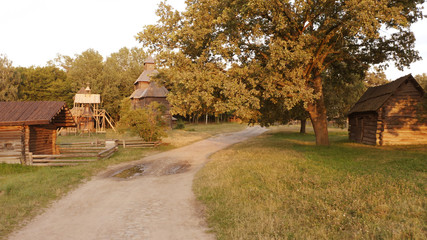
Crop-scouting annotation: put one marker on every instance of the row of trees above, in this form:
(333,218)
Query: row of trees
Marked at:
(261,58)
(62,77)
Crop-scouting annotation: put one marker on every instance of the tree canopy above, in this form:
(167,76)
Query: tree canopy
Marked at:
(44,84)
(63,76)
(283,51)
(120,71)
(9,80)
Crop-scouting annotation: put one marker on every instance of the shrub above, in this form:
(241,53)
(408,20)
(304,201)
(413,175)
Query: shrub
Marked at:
(180,124)
(147,123)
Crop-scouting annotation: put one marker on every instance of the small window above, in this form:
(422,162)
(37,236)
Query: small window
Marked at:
(8,146)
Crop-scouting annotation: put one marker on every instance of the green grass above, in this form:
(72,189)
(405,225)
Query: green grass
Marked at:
(26,190)
(281,186)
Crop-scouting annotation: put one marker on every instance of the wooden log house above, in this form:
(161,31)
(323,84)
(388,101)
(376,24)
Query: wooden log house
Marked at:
(390,114)
(28,128)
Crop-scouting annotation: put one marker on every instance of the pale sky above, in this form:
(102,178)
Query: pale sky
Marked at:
(35,31)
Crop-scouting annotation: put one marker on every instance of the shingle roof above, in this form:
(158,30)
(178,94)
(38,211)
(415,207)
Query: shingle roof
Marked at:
(146,75)
(375,97)
(151,91)
(29,113)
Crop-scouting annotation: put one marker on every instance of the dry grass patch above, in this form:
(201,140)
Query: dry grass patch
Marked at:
(196,132)
(280,186)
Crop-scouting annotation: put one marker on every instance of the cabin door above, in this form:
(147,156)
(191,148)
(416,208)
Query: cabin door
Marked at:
(360,129)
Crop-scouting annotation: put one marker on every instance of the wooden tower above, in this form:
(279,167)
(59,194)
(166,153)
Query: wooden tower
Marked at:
(88,114)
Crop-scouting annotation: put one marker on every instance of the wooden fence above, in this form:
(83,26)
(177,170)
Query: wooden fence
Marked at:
(76,153)
(131,143)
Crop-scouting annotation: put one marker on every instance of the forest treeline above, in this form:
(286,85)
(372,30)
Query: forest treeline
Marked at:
(63,76)
(114,76)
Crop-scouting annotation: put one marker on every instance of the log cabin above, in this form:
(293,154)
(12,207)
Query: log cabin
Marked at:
(390,114)
(147,91)
(30,128)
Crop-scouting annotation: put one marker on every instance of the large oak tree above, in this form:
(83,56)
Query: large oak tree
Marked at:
(280,51)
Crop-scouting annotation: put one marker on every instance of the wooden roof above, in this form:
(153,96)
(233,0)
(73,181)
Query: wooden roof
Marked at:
(87,98)
(82,90)
(145,76)
(375,97)
(35,113)
(153,90)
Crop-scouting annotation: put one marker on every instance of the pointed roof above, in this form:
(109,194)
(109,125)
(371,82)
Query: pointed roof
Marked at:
(149,59)
(146,75)
(33,113)
(375,97)
(153,90)
(82,91)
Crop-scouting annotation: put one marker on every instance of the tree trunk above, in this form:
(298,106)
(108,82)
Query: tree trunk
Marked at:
(303,123)
(317,111)
(206,120)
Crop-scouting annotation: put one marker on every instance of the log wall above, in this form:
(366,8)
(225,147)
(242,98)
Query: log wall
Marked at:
(402,119)
(42,139)
(10,144)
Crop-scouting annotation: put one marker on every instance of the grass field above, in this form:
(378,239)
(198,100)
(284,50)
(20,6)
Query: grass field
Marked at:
(281,186)
(26,190)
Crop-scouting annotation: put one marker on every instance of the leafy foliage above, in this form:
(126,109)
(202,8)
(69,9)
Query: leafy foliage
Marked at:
(9,80)
(86,68)
(112,78)
(147,122)
(374,79)
(422,80)
(280,52)
(120,71)
(44,84)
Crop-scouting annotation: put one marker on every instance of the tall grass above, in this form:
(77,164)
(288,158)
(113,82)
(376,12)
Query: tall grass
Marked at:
(282,186)
(26,190)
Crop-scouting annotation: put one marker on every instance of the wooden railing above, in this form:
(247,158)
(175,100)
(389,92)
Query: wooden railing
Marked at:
(76,153)
(108,152)
(137,143)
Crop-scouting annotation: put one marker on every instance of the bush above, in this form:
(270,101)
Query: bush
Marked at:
(147,123)
(180,124)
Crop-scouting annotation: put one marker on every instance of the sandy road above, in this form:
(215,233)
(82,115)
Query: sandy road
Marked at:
(157,205)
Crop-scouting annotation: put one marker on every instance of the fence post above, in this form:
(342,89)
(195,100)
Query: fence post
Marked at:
(30,158)
(124,143)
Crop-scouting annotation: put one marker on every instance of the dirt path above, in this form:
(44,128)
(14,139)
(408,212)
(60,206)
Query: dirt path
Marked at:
(159,204)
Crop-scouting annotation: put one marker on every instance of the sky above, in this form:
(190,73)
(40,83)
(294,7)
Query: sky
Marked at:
(35,31)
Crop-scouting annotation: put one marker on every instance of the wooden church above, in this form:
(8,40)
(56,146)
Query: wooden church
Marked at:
(390,114)
(147,91)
